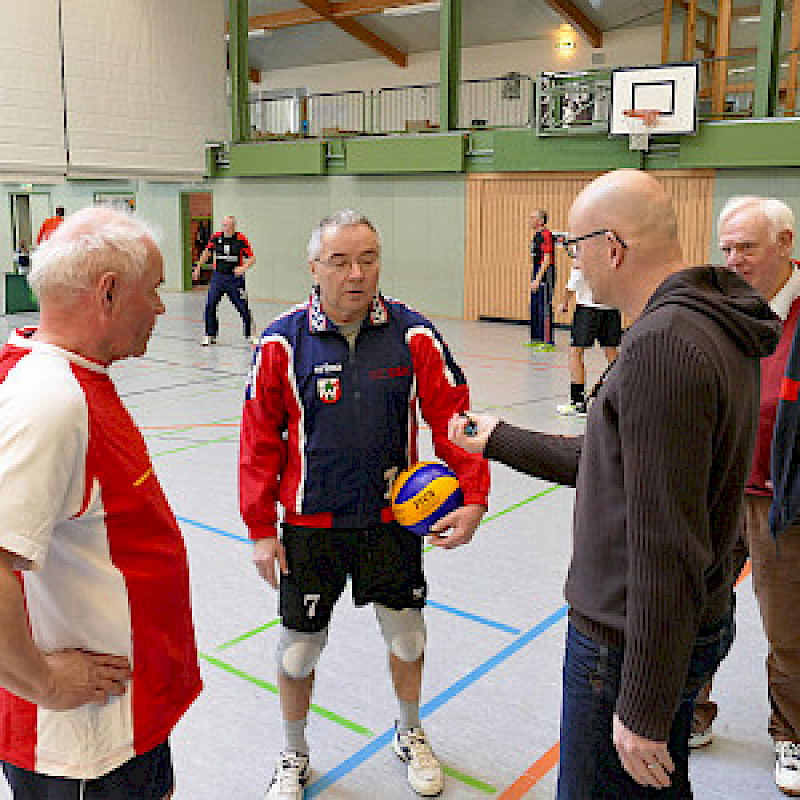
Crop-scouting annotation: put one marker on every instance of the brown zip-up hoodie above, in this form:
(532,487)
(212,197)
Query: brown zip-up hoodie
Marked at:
(659,477)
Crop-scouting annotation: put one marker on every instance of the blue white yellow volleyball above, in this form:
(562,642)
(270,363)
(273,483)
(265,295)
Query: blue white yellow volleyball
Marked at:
(423,494)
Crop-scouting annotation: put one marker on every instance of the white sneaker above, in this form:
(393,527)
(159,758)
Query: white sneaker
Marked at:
(572,409)
(424,770)
(290,777)
(787,767)
(255,340)
(207,340)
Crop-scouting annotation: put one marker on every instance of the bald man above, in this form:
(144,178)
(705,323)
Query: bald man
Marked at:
(94,675)
(659,476)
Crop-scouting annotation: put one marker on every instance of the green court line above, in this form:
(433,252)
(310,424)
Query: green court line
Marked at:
(244,636)
(196,445)
(334,717)
(473,782)
(271,687)
(508,510)
(521,503)
(184,428)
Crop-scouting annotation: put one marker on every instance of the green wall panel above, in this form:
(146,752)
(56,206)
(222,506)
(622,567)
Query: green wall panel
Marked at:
(421,219)
(427,152)
(523,151)
(306,157)
(770,143)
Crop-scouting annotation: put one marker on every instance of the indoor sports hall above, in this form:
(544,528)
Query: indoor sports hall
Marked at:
(448,124)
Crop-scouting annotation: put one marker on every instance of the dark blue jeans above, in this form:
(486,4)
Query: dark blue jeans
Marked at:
(590,768)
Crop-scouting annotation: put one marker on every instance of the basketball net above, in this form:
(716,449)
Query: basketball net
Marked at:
(642,121)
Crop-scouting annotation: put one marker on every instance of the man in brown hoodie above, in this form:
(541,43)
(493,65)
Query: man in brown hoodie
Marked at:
(659,476)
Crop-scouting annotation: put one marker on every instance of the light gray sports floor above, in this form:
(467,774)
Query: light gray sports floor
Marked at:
(496,618)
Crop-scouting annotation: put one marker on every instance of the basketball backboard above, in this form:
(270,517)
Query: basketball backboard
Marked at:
(671,89)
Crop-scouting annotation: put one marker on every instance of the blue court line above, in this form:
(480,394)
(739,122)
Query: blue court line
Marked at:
(213,530)
(474,617)
(377,744)
(465,614)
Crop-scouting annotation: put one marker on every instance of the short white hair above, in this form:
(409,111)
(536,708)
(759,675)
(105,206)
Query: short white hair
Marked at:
(91,241)
(778,215)
(340,219)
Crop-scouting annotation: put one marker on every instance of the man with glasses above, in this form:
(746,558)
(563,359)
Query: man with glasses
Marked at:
(329,422)
(659,476)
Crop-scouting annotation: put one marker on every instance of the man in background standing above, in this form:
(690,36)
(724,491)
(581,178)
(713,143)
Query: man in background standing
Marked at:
(233,256)
(591,322)
(50,224)
(543,280)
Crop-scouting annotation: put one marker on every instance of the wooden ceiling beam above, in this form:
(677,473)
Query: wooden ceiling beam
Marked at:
(358,31)
(577,18)
(305,16)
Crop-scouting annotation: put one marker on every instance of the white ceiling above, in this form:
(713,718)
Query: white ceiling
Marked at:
(483,22)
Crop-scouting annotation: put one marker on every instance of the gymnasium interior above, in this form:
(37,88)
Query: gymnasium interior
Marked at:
(446,123)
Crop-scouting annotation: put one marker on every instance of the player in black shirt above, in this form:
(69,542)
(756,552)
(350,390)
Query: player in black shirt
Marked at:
(233,256)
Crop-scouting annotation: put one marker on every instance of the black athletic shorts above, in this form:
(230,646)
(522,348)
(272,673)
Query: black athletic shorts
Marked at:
(145,777)
(591,324)
(384,562)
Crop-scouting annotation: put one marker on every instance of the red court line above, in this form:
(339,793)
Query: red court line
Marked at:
(532,775)
(540,768)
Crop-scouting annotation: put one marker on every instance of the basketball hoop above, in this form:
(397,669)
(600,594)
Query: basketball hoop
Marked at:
(642,121)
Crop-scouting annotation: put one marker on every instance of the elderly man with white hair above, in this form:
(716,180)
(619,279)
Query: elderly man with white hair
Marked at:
(94,675)
(756,236)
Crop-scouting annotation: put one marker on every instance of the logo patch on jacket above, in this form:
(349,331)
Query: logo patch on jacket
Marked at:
(329,389)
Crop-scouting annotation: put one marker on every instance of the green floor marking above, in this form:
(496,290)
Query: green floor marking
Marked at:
(474,782)
(184,428)
(244,636)
(271,687)
(333,717)
(509,509)
(196,445)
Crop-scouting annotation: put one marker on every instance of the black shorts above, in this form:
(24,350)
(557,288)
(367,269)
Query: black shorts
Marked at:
(601,325)
(145,777)
(384,562)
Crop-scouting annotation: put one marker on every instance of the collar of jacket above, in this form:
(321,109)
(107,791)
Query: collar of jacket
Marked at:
(319,321)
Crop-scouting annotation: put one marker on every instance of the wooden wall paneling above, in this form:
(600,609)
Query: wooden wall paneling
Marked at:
(497,262)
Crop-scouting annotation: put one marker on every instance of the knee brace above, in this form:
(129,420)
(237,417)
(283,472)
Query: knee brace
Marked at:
(403,631)
(299,652)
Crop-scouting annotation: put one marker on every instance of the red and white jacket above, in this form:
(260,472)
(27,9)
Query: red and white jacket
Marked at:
(81,502)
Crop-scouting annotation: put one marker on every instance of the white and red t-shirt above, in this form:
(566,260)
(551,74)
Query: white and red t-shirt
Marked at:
(80,501)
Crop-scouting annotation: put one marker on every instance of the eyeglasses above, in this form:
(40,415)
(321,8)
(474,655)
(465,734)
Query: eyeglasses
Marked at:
(339,263)
(571,245)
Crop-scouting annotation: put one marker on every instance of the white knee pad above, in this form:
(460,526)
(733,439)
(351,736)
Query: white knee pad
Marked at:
(298,652)
(403,631)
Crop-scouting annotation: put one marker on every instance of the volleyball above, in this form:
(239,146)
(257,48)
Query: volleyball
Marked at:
(423,494)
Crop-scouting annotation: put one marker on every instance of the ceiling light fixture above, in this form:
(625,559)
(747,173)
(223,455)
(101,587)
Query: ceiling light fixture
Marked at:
(566,41)
(414,8)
